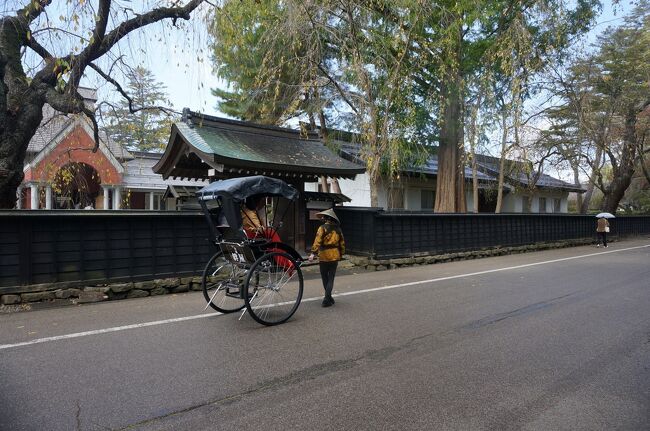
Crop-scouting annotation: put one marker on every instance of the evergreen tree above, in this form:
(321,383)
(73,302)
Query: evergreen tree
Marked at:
(398,67)
(605,115)
(139,123)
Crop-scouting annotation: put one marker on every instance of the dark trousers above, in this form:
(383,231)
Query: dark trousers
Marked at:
(327,273)
(602,236)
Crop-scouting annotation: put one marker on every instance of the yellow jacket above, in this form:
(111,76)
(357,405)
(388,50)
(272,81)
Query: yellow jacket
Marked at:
(329,243)
(250,220)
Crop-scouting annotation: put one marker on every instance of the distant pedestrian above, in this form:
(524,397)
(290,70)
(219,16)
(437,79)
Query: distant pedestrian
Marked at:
(602,227)
(330,246)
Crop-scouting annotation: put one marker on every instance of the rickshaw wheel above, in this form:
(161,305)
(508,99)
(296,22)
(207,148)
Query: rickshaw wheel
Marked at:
(222,283)
(274,288)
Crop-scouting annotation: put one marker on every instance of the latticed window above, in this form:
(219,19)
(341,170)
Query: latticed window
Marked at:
(427,199)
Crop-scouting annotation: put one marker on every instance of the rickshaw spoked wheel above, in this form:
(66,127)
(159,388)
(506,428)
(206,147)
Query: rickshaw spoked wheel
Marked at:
(222,283)
(274,288)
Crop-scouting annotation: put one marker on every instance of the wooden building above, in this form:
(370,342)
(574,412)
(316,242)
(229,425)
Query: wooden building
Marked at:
(206,147)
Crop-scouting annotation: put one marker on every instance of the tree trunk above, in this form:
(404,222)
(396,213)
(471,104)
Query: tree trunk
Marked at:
(21,106)
(529,205)
(374,187)
(475,184)
(20,124)
(502,160)
(592,180)
(623,175)
(11,171)
(576,180)
(450,182)
(473,130)
(500,184)
(616,191)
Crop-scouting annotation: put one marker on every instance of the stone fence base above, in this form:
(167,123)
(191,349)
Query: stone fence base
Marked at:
(56,295)
(371,264)
(104,292)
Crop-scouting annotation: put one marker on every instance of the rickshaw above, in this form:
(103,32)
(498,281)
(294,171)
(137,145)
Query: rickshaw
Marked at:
(258,273)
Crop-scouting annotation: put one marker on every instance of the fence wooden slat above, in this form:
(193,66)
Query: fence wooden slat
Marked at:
(409,233)
(53,246)
(63,246)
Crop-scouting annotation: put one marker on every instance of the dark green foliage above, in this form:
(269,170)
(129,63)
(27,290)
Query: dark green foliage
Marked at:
(146,129)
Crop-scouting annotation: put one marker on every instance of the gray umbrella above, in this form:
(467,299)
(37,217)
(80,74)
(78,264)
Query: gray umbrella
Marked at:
(605,215)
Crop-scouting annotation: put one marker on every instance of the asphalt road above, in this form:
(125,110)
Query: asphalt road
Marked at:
(554,340)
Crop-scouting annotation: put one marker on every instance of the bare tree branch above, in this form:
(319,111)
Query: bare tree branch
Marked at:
(33,9)
(91,116)
(104,43)
(338,88)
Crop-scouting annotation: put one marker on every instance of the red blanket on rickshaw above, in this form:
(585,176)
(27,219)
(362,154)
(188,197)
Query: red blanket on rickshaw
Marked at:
(272,235)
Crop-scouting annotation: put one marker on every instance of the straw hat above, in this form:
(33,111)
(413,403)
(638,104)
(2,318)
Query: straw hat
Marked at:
(329,213)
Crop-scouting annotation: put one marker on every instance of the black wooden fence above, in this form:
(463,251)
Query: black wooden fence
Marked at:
(97,246)
(383,234)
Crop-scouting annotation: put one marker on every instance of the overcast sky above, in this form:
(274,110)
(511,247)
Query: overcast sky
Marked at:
(179,58)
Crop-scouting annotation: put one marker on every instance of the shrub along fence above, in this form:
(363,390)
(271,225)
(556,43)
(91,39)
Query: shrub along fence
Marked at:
(382,234)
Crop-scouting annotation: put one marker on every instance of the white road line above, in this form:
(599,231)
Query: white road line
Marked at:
(106,330)
(488,271)
(356,292)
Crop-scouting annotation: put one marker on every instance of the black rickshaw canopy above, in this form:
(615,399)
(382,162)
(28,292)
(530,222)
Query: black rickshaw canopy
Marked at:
(239,189)
(230,194)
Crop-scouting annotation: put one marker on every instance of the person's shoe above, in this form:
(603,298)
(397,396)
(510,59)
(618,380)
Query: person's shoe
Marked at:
(332,300)
(606,246)
(327,302)
(597,245)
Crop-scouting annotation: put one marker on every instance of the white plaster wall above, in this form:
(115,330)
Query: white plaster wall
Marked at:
(518,203)
(413,199)
(550,204)
(509,204)
(382,195)
(311,187)
(413,192)
(534,204)
(358,190)
(469,199)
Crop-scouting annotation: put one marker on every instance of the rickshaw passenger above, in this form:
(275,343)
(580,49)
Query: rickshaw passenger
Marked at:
(250,217)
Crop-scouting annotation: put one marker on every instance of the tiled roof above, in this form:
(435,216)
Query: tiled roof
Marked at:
(264,145)
(326,197)
(237,146)
(488,168)
(430,167)
(517,173)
